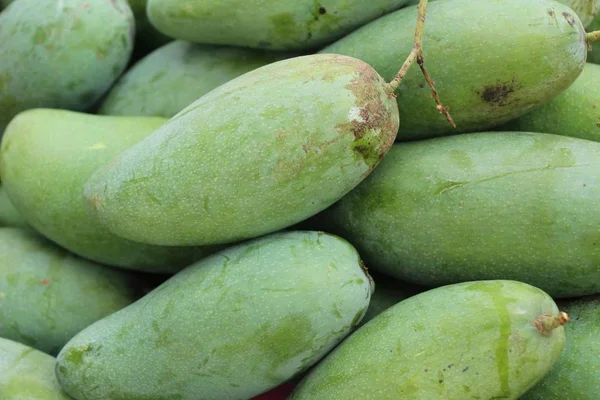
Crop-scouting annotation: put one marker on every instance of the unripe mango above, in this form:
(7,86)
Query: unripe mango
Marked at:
(47,156)
(490,205)
(475,340)
(232,326)
(181,72)
(504,58)
(250,157)
(27,374)
(576,376)
(575,112)
(265,24)
(61,54)
(9,216)
(48,295)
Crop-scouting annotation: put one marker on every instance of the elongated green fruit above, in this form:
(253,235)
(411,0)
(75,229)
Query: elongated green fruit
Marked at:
(577,374)
(27,374)
(575,112)
(485,71)
(266,24)
(229,327)
(177,74)
(61,54)
(250,157)
(47,156)
(499,205)
(9,216)
(47,295)
(497,339)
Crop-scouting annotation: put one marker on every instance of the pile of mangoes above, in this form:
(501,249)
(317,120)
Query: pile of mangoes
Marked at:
(233,200)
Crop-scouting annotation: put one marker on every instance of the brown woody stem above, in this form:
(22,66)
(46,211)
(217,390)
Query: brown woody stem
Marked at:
(546,323)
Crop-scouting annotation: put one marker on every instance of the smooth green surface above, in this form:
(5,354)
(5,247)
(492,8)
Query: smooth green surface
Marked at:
(258,154)
(47,156)
(575,112)
(61,54)
(27,374)
(471,340)
(577,375)
(229,327)
(594,55)
(179,73)
(266,24)
(506,58)
(489,205)
(48,295)
(9,216)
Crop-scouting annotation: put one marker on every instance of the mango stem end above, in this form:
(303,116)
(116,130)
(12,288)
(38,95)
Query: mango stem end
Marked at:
(546,323)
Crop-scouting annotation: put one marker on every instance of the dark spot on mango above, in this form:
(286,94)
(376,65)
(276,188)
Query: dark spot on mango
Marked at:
(322,10)
(570,19)
(498,94)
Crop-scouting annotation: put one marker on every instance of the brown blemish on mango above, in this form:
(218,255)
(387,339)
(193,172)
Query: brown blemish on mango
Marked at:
(498,94)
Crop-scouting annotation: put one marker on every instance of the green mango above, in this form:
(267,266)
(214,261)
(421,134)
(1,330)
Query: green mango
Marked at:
(250,157)
(266,24)
(27,374)
(48,295)
(47,156)
(232,326)
(181,72)
(484,69)
(490,205)
(61,54)
(474,340)
(575,112)
(9,216)
(594,55)
(576,376)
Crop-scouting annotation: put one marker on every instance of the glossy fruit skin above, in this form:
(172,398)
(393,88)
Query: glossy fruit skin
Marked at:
(27,374)
(61,54)
(46,157)
(48,295)
(466,340)
(250,157)
(232,326)
(485,70)
(265,24)
(181,72)
(575,112)
(576,376)
(488,205)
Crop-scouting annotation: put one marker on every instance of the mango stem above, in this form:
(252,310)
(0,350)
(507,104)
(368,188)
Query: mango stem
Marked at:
(546,323)
(592,36)
(416,54)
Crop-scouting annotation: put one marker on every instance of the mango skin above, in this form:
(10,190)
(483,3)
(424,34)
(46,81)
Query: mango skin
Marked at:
(181,72)
(9,216)
(490,205)
(484,346)
(47,295)
(265,24)
(575,112)
(249,158)
(485,70)
(47,156)
(232,326)
(576,376)
(27,374)
(61,54)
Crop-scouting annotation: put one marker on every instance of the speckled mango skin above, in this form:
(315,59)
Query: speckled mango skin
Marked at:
(61,54)
(265,24)
(27,374)
(230,327)
(47,295)
(181,72)
(576,376)
(47,156)
(506,58)
(575,112)
(256,155)
(9,216)
(465,341)
(490,205)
